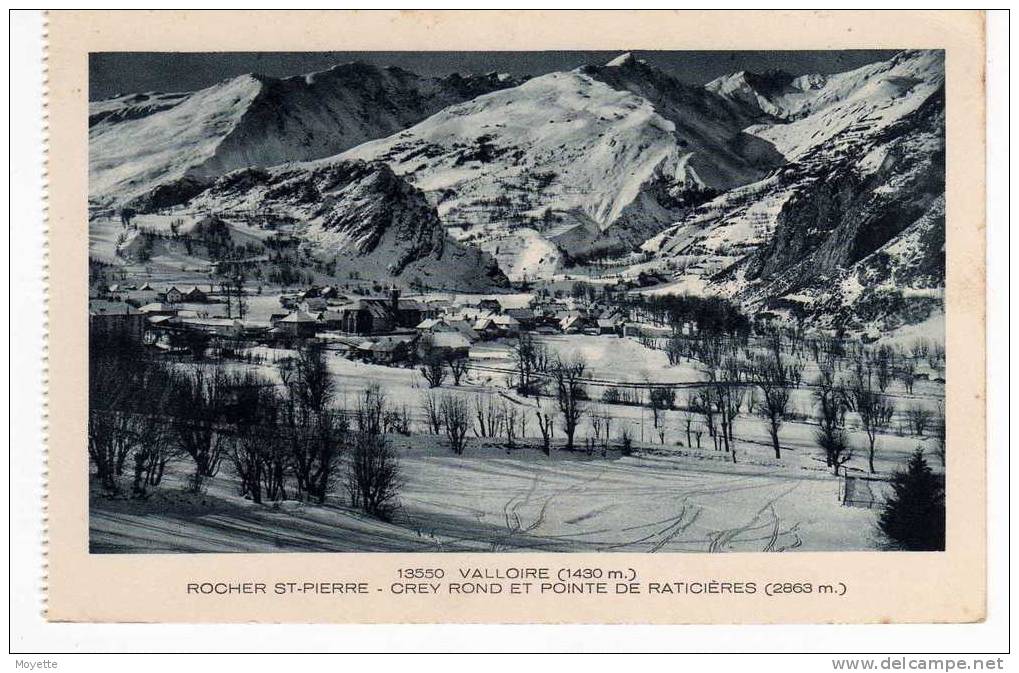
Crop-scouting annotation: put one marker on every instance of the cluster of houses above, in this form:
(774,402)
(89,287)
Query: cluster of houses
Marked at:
(385,329)
(162,319)
(146,293)
(319,309)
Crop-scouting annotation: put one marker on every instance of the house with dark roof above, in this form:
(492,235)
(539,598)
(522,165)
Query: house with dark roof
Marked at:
(410,312)
(115,317)
(489,304)
(195,295)
(377,315)
(173,295)
(362,316)
(313,305)
(524,316)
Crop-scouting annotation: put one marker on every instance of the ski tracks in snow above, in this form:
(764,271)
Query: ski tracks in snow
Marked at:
(764,527)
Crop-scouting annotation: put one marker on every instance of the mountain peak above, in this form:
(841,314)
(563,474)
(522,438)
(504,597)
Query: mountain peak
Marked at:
(623,60)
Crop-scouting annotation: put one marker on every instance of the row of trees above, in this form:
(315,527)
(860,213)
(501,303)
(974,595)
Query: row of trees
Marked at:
(739,380)
(711,315)
(436,365)
(489,416)
(283,440)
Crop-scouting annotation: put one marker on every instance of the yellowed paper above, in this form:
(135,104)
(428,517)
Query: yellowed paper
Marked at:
(476,583)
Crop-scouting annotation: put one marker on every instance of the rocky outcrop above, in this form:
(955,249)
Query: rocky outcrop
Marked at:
(362,216)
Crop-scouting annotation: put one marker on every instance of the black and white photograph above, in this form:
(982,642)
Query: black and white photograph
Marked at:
(549,301)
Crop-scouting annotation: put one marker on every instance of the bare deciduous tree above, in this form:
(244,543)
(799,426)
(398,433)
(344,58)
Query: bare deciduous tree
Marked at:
(919,419)
(568,375)
(489,417)
(530,360)
(373,471)
(833,442)
(197,404)
(907,374)
(830,399)
(456,421)
(875,412)
(625,440)
(433,368)
(660,399)
(313,432)
(772,380)
(510,421)
(458,368)
(546,424)
(433,415)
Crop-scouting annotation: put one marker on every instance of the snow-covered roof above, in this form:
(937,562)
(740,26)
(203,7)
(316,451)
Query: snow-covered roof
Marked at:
(212,322)
(449,340)
(298,317)
(156,307)
(410,305)
(382,344)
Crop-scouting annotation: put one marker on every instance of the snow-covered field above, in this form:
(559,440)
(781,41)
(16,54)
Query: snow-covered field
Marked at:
(666,497)
(601,174)
(491,500)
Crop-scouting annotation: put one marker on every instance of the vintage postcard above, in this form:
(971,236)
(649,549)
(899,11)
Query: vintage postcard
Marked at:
(601,317)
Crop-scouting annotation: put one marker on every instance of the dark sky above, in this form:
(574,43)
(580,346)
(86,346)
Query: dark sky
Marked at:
(129,72)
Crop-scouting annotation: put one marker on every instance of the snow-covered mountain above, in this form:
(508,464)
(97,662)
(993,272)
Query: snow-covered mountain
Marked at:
(571,163)
(361,216)
(122,108)
(177,143)
(820,196)
(817,107)
(860,202)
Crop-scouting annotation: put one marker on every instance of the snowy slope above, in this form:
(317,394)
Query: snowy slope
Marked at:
(789,242)
(818,107)
(567,156)
(360,215)
(140,142)
(767,93)
(122,108)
